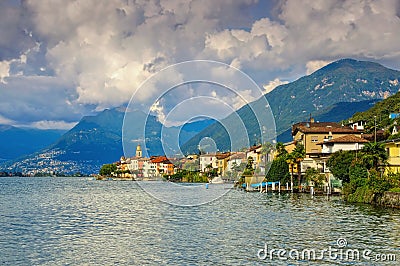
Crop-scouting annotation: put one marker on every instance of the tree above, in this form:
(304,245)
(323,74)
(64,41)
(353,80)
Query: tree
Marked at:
(298,154)
(249,170)
(107,169)
(210,171)
(266,149)
(279,170)
(339,164)
(280,149)
(373,155)
(291,160)
(315,176)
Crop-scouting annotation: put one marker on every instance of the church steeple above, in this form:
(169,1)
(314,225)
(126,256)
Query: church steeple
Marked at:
(138,151)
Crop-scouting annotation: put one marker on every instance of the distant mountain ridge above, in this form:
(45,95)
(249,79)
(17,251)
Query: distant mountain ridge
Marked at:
(345,80)
(16,142)
(96,140)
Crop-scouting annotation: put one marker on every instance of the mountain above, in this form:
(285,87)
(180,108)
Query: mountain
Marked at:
(16,142)
(332,93)
(346,80)
(97,140)
(335,113)
(379,115)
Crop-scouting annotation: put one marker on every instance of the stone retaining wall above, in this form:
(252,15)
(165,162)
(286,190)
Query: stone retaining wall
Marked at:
(389,199)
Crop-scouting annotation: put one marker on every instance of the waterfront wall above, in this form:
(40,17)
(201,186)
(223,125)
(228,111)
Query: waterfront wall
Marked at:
(389,199)
(367,195)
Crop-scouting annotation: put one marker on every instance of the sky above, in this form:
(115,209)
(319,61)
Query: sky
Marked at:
(61,60)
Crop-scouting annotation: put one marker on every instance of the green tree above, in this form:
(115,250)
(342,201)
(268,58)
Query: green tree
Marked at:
(298,155)
(291,160)
(210,171)
(358,174)
(279,170)
(373,155)
(339,164)
(107,169)
(266,150)
(249,170)
(315,176)
(280,149)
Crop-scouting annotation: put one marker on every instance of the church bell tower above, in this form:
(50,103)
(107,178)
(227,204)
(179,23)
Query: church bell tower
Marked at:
(138,151)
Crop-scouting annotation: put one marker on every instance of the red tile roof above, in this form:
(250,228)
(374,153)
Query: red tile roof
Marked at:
(221,156)
(344,139)
(159,159)
(321,127)
(240,155)
(252,148)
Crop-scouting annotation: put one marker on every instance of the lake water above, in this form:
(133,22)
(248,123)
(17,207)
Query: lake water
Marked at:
(76,221)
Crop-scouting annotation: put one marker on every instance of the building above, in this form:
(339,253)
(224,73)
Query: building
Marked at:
(344,143)
(320,139)
(358,125)
(206,160)
(394,115)
(235,160)
(223,159)
(123,167)
(162,165)
(393,150)
(310,134)
(139,153)
(255,153)
(134,166)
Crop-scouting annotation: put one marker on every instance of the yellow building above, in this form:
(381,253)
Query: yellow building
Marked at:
(393,150)
(222,162)
(311,134)
(255,153)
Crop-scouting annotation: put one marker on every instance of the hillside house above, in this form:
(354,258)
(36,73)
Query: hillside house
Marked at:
(318,140)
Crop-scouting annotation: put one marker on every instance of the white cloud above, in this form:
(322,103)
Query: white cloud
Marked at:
(6,121)
(314,31)
(158,109)
(107,61)
(99,53)
(273,84)
(4,70)
(46,124)
(46,98)
(314,65)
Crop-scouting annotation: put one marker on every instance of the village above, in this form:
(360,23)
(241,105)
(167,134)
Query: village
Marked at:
(318,141)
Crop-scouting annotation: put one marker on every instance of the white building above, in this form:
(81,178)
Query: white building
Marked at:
(149,169)
(207,159)
(236,159)
(359,125)
(345,143)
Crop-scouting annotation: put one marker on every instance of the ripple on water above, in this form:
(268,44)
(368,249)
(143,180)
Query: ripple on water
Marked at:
(58,221)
